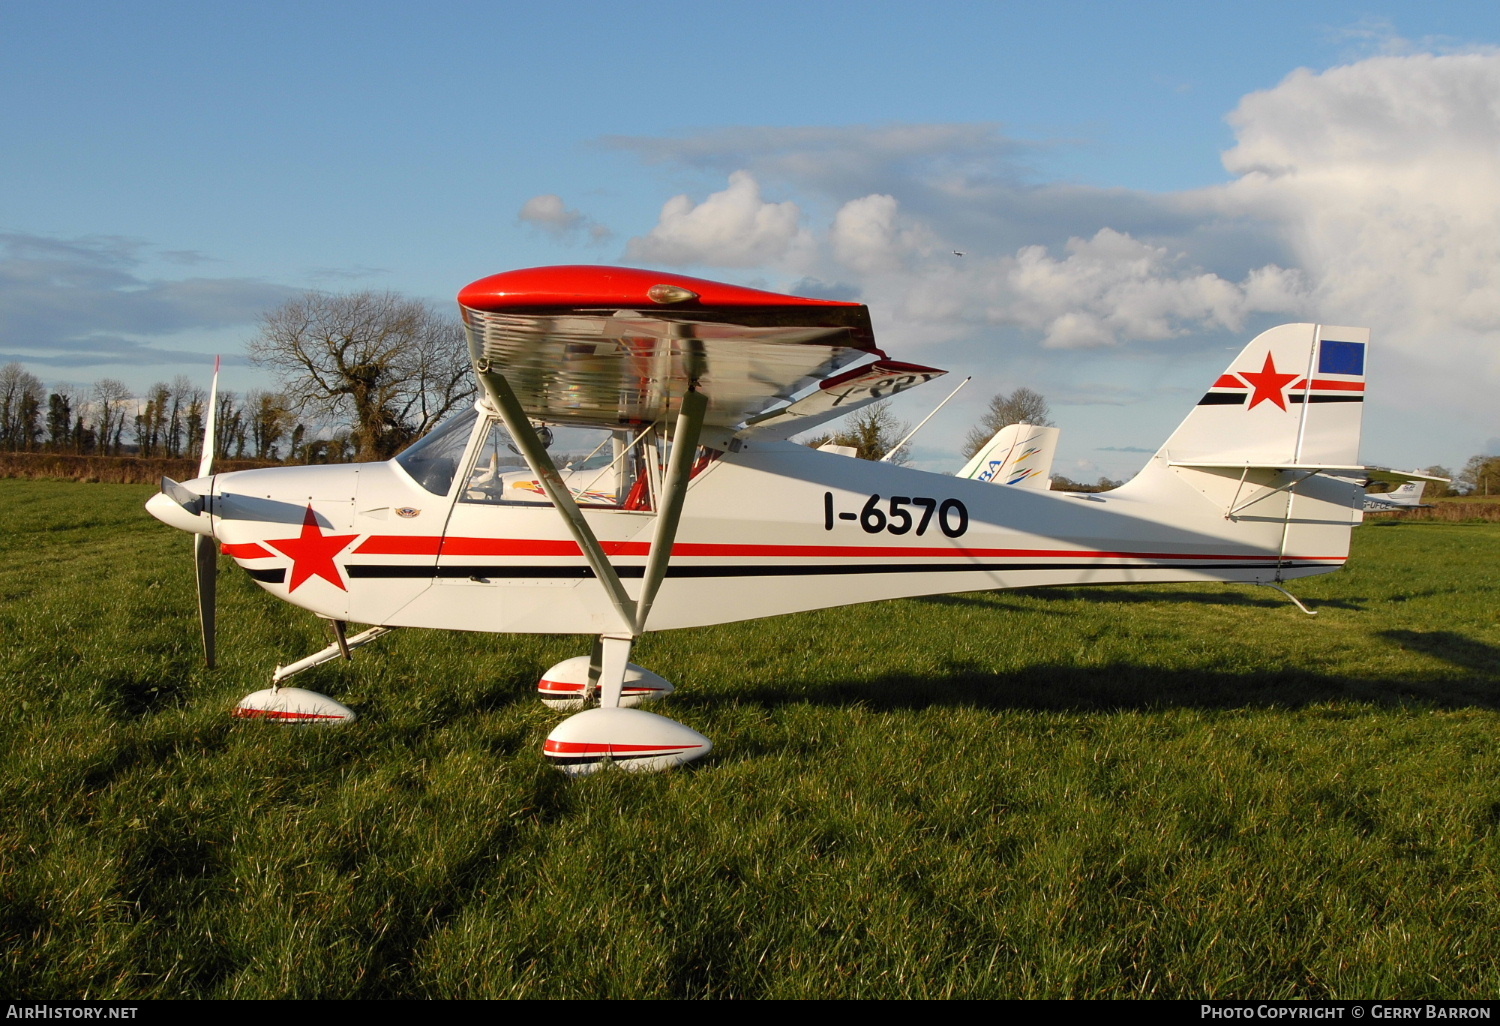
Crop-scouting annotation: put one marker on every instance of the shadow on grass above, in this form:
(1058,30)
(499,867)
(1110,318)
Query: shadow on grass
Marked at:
(1466,653)
(1125,687)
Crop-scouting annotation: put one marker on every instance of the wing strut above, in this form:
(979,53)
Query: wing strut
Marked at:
(679,469)
(633,614)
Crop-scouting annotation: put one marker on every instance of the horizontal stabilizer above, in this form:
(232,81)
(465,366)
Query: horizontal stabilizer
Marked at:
(1326,468)
(1387,476)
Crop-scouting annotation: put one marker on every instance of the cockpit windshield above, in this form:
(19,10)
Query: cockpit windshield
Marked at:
(434,459)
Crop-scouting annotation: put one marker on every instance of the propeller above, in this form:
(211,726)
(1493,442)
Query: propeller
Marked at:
(205,551)
(206,556)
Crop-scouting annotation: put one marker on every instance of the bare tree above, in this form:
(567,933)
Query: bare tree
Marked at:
(1023,406)
(229,427)
(1480,476)
(392,366)
(269,422)
(20,407)
(112,401)
(184,395)
(872,432)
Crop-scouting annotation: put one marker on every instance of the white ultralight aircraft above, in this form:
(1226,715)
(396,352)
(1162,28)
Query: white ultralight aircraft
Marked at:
(682,502)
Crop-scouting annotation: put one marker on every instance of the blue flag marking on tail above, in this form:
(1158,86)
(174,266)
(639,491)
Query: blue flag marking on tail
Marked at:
(1341,357)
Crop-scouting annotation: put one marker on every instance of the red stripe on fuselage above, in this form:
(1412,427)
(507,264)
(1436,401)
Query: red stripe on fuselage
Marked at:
(245,550)
(400,545)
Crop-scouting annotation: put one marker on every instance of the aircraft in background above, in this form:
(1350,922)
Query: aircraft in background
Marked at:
(1408,496)
(669,403)
(1018,454)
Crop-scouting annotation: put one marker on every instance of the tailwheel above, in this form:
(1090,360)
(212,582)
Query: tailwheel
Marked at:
(628,738)
(566,686)
(294,707)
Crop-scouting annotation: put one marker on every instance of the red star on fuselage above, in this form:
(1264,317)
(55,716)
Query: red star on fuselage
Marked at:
(312,553)
(1267,383)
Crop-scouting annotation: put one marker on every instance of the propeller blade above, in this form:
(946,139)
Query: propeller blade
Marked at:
(206,461)
(206,556)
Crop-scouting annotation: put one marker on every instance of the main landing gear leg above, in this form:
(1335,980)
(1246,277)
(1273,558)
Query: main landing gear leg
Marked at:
(629,738)
(614,656)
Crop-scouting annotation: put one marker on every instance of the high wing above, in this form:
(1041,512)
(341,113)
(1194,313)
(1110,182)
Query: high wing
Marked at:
(597,345)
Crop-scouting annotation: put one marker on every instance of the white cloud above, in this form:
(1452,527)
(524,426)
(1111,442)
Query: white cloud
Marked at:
(1384,178)
(1366,194)
(550,214)
(1114,288)
(732,228)
(870,235)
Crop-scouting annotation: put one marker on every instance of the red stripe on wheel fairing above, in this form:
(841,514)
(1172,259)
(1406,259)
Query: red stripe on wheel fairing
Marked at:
(601,748)
(266,714)
(554,687)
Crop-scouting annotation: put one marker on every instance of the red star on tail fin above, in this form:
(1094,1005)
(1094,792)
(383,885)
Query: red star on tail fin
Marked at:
(1269,386)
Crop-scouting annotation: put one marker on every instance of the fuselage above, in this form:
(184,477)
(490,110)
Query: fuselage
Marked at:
(772,528)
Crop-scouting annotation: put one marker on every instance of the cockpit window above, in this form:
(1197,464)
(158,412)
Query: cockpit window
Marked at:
(433,459)
(599,465)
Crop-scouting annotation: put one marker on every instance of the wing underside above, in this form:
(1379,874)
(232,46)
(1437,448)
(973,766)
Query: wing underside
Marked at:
(620,367)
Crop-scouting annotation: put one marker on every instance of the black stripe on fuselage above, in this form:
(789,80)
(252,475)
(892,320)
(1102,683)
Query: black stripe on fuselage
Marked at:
(512,572)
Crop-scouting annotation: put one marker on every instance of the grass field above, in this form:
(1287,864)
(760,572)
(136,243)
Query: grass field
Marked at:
(1173,791)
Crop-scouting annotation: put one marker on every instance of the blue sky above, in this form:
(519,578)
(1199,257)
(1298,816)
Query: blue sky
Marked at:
(1137,188)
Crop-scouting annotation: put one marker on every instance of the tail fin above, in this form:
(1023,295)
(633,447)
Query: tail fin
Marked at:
(1019,454)
(1274,444)
(1409,494)
(1294,396)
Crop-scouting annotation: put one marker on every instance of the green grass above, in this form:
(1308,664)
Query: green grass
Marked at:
(1185,791)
